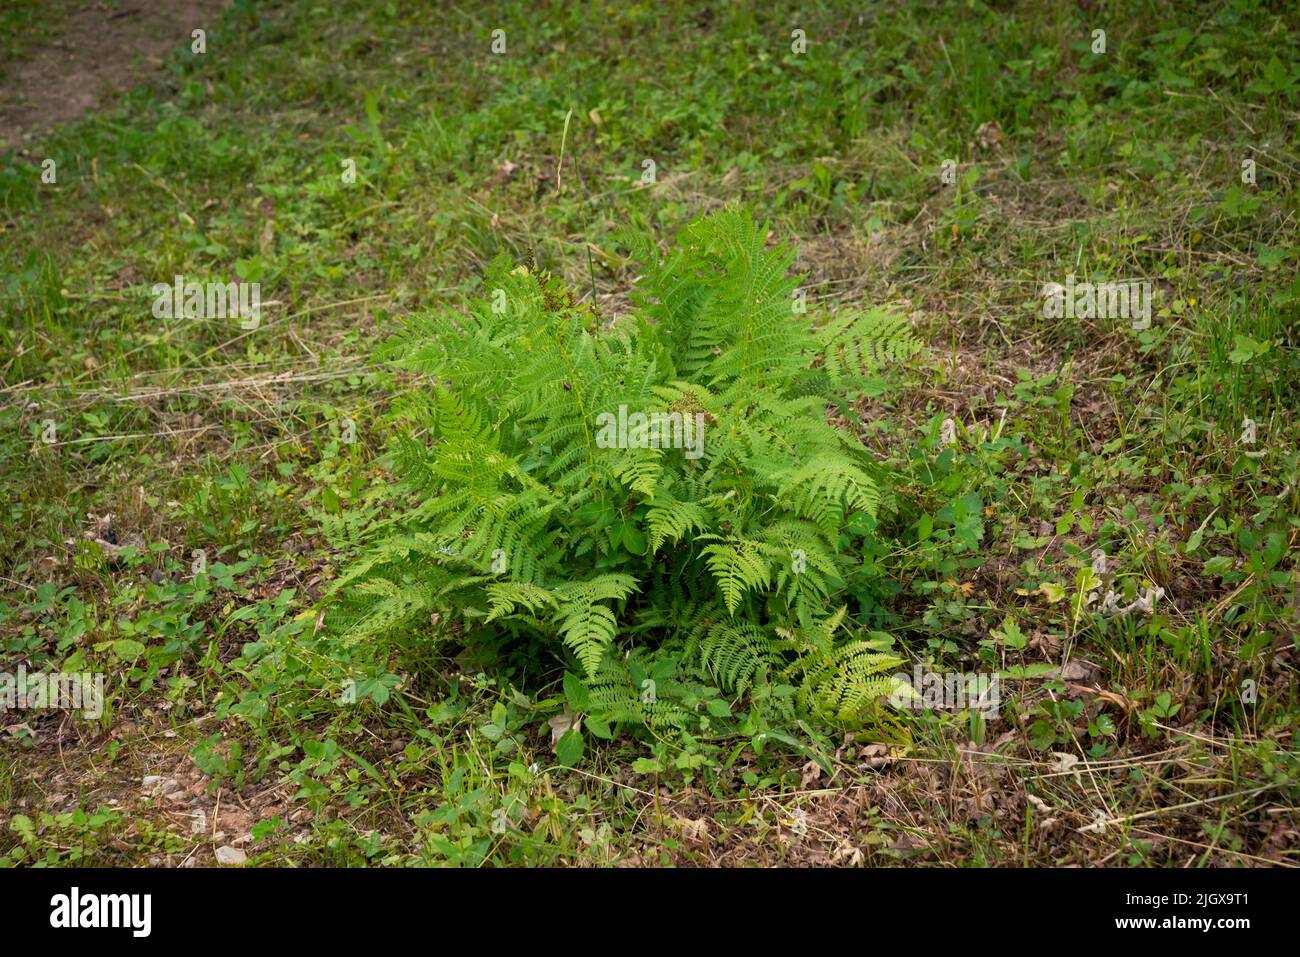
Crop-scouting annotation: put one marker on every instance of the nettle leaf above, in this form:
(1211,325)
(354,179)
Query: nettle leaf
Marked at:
(575,692)
(634,540)
(569,749)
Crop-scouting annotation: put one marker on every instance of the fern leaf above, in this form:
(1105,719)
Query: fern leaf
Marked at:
(738,567)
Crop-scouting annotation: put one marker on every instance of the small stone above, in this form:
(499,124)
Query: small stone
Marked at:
(232,856)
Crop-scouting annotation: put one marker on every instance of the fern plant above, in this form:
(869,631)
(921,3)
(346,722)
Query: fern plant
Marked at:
(661,504)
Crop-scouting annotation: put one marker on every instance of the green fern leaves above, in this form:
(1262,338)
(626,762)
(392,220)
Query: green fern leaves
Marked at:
(588,626)
(738,567)
(716,554)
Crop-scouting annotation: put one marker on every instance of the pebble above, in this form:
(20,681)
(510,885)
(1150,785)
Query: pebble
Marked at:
(230,855)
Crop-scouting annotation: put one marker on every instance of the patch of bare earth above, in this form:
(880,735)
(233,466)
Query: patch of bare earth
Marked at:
(102,51)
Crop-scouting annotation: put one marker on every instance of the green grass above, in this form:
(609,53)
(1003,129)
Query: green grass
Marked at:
(1072,435)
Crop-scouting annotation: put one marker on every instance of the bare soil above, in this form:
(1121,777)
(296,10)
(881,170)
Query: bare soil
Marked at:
(103,50)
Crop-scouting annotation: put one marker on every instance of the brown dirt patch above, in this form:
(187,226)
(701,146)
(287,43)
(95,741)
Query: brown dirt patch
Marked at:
(102,50)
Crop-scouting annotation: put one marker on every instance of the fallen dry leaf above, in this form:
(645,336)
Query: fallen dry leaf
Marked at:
(561,724)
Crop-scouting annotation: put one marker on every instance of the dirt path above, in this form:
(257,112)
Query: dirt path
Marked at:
(102,50)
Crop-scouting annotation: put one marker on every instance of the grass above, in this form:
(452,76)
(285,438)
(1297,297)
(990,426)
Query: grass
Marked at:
(223,456)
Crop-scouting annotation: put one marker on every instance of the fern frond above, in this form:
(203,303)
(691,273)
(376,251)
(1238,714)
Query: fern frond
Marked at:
(735,654)
(668,520)
(639,470)
(587,626)
(856,345)
(526,526)
(842,680)
(505,597)
(737,566)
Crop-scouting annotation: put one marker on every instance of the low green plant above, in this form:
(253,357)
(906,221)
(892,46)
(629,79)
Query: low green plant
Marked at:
(723,548)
